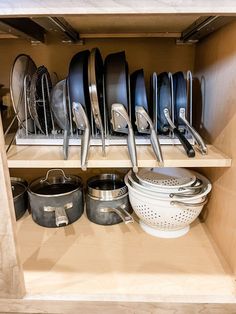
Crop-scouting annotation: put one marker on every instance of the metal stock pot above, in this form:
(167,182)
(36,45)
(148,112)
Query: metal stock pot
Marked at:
(56,200)
(107,200)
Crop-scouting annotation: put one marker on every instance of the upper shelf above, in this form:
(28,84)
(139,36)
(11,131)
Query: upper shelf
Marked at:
(116,157)
(72,7)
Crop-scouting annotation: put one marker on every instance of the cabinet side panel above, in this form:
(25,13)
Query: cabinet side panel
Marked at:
(11,274)
(216,66)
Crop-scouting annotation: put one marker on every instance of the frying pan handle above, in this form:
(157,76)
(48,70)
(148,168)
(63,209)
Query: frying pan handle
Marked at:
(186,145)
(65,144)
(120,121)
(141,118)
(82,123)
(201,145)
(85,143)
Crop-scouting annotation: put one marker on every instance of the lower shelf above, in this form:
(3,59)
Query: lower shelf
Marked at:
(85,261)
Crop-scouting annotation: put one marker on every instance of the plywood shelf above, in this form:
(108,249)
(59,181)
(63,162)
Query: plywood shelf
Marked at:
(85,261)
(117,156)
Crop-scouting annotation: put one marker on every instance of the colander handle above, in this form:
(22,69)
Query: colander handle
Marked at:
(187,205)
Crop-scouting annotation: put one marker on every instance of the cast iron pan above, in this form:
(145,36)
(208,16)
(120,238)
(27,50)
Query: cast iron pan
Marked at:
(36,108)
(78,81)
(164,103)
(116,81)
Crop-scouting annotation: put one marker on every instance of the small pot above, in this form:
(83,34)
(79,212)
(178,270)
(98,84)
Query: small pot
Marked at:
(56,200)
(20,197)
(107,200)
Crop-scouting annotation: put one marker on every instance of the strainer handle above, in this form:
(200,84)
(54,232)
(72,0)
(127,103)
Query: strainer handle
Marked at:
(187,205)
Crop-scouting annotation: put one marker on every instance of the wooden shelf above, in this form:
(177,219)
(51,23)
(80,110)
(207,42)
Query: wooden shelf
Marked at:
(117,156)
(85,261)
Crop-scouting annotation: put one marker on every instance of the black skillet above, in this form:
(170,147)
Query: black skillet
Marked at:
(164,113)
(80,100)
(95,81)
(181,110)
(117,99)
(140,111)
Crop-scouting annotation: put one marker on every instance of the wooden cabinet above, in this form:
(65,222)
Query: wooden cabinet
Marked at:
(85,267)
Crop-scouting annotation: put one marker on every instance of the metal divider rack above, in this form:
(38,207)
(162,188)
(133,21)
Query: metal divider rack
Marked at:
(25,137)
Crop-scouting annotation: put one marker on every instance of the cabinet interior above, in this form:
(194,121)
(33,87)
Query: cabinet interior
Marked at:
(89,262)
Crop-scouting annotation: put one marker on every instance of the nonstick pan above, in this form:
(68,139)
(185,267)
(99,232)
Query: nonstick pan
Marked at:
(140,111)
(164,112)
(21,73)
(39,102)
(80,100)
(95,80)
(60,110)
(182,111)
(117,99)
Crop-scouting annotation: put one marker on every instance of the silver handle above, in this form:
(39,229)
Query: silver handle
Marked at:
(142,119)
(65,144)
(54,170)
(187,205)
(120,120)
(82,123)
(191,190)
(61,217)
(201,145)
(121,212)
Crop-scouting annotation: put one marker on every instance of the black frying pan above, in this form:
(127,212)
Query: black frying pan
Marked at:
(164,113)
(140,111)
(117,99)
(80,101)
(78,81)
(116,85)
(181,110)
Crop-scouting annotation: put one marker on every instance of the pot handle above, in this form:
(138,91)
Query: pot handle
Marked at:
(61,218)
(54,170)
(187,205)
(121,212)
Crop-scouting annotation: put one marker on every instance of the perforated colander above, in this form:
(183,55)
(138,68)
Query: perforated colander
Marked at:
(165,218)
(165,177)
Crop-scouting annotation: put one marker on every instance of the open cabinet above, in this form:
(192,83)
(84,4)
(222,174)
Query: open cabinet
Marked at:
(85,267)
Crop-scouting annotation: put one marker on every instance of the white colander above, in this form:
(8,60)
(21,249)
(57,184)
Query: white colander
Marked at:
(164,218)
(165,177)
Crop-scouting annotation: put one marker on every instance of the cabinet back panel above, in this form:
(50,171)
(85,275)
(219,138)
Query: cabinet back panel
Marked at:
(216,62)
(152,54)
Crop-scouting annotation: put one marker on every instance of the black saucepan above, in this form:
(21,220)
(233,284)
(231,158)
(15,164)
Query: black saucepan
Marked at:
(56,200)
(20,197)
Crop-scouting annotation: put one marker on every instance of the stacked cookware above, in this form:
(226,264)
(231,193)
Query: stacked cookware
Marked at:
(101,101)
(167,200)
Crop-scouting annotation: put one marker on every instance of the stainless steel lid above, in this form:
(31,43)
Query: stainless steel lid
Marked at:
(106,187)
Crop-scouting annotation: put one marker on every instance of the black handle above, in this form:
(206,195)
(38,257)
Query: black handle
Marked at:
(187,146)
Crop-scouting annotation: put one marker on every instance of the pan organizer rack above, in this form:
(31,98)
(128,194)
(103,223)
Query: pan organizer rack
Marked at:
(26,137)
